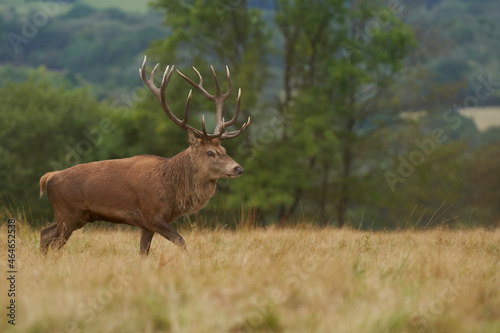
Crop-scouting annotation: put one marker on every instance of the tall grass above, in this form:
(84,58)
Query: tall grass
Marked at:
(274,280)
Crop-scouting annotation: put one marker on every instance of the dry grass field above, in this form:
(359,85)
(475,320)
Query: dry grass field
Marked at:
(274,280)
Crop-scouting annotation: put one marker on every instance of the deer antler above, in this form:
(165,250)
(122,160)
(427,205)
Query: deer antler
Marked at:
(218,98)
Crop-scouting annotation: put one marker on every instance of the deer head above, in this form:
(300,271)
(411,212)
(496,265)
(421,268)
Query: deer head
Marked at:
(205,149)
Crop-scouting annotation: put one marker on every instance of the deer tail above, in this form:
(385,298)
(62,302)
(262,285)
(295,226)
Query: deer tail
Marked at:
(43,181)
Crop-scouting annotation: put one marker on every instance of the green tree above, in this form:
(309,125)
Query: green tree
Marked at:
(432,184)
(483,184)
(361,81)
(340,62)
(45,128)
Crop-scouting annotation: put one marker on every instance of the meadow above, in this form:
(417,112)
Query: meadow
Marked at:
(299,279)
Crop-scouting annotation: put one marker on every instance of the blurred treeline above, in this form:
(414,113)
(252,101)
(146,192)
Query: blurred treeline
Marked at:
(333,88)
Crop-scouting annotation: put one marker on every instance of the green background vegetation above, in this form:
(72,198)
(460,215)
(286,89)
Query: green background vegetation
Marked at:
(326,95)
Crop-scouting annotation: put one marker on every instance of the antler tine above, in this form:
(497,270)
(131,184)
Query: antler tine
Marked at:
(233,134)
(198,86)
(149,83)
(199,76)
(220,98)
(236,112)
(164,83)
(184,121)
(203,126)
(228,92)
(217,87)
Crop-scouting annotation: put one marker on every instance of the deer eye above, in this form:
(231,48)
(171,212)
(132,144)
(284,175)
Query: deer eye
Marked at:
(210,153)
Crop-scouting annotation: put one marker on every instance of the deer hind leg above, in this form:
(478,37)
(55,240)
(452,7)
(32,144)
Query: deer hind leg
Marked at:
(146,236)
(64,232)
(47,236)
(57,234)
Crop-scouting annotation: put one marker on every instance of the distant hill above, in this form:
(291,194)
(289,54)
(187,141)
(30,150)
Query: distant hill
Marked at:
(134,6)
(96,42)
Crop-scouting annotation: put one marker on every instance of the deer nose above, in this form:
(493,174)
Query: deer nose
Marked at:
(238,170)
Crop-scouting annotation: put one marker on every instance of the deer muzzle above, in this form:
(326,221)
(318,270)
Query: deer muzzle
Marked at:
(236,172)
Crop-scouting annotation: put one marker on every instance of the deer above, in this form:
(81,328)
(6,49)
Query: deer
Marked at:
(146,191)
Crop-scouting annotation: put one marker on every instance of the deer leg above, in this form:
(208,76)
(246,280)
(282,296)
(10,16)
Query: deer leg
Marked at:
(64,232)
(47,236)
(167,231)
(146,236)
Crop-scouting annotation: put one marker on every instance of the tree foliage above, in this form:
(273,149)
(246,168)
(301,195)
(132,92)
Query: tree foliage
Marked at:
(332,98)
(45,128)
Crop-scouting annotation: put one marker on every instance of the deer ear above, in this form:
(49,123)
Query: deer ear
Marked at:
(192,140)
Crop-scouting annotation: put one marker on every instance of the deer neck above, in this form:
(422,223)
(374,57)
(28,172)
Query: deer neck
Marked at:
(193,191)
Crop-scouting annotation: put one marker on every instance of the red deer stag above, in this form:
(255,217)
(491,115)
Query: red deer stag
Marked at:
(145,191)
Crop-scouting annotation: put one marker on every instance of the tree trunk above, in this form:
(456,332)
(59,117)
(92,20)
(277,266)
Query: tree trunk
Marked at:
(282,216)
(347,157)
(284,213)
(324,195)
(344,197)
(341,212)
(343,201)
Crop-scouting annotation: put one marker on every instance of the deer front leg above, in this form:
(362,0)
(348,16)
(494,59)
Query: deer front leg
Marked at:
(166,230)
(146,236)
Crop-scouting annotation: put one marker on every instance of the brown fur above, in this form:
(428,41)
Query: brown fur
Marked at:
(145,191)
